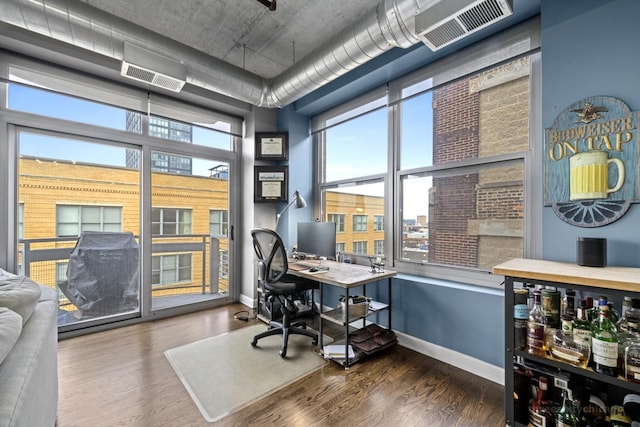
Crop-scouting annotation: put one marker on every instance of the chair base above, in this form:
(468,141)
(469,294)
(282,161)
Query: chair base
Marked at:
(278,328)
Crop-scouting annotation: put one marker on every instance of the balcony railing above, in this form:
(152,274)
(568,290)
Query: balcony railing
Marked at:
(45,261)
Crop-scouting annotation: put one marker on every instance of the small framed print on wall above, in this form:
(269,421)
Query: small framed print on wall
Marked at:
(272,145)
(270,184)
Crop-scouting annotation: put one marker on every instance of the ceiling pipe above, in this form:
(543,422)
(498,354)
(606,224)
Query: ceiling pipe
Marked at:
(389,25)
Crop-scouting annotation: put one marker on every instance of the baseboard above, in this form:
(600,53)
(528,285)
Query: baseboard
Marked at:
(249,302)
(470,364)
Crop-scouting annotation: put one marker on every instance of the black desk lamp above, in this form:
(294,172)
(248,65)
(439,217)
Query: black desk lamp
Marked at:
(297,202)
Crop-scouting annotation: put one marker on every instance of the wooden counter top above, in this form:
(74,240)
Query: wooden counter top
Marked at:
(620,278)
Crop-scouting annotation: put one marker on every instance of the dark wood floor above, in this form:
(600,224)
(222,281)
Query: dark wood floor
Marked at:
(122,378)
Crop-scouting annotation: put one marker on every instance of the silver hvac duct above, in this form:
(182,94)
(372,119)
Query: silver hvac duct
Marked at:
(76,23)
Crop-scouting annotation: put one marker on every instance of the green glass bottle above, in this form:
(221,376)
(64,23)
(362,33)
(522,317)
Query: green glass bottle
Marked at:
(605,344)
(568,414)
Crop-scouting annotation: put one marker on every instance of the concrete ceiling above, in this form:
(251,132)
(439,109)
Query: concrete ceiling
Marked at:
(244,33)
(239,49)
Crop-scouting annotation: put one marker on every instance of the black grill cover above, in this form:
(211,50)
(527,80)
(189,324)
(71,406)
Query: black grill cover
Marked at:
(102,275)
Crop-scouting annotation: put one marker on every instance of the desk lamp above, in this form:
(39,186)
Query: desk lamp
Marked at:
(297,202)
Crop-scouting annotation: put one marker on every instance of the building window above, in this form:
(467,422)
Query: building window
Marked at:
(339,220)
(72,220)
(224,264)
(360,248)
(171,221)
(340,247)
(378,247)
(219,222)
(170,269)
(21,221)
(359,223)
(378,223)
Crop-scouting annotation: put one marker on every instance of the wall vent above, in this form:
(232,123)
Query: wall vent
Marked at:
(450,20)
(149,67)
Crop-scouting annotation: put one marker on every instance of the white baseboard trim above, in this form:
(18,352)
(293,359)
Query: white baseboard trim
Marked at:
(248,301)
(470,364)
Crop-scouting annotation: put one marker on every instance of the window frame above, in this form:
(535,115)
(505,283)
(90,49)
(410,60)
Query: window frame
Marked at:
(517,42)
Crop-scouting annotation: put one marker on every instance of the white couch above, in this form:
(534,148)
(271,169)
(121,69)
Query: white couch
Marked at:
(28,353)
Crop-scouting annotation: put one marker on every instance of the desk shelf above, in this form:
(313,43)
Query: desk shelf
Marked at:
(337,315)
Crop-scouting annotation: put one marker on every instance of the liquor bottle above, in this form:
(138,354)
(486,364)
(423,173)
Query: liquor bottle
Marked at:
(622,322)
(593,411)
(520,317)
(569,307)
(605,344)
(540,414)
(581,325)
(536,328)
(618,418)
(567,415)
(566,349)
(630,352)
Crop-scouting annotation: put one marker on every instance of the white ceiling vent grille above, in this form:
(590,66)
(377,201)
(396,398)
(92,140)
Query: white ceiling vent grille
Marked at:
(145,66)
(450,20)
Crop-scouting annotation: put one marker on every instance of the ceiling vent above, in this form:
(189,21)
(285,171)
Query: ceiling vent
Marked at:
(149,67)
(451,20)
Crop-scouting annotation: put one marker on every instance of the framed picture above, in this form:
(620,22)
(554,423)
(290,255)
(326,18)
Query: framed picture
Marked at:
(272,145)
(271,184)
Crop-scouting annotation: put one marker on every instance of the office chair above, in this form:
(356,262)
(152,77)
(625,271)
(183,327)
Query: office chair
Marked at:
(275,283)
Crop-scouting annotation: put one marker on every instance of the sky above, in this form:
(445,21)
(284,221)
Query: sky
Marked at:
(355,148)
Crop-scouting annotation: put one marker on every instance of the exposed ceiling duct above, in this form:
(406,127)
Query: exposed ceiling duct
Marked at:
(389,25)
(450,20)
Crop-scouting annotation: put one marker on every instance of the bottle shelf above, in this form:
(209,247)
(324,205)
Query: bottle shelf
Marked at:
(618,381)
(611,281)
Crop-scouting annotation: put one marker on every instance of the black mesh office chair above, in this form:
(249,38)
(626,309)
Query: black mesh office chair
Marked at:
(277,284)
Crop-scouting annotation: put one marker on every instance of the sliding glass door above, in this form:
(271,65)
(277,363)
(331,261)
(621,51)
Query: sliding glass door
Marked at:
(79,224)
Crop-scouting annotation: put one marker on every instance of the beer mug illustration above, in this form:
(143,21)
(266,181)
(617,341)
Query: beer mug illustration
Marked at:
(589,175)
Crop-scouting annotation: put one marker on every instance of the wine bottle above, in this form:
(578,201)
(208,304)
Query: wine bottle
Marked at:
(605,344)
(568,414)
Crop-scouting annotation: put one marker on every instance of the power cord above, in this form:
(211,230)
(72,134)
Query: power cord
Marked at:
(245,315)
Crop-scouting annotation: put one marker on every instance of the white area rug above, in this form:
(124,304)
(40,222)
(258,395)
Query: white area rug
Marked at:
(225,373)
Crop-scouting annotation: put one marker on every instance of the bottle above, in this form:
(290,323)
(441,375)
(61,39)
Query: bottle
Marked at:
(536,328)
(618,418)
(581,325)
(567,415)
(622,322)
(540,414)
(604,343)
(593,412)
(520,317)
(629,352)
(569,303)
(566,349)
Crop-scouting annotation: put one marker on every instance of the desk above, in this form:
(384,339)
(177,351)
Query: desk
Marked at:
(345,276)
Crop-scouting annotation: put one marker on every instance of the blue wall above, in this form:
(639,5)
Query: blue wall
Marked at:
(589,48)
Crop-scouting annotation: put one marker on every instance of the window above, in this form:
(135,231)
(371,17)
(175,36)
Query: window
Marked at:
(339,220)
(454,213)
(378,223)
(72,220)
(360,248)
(340,247)
(359,223)
(224,264)
(218,223)
(460,135)
(378,247)
(170,221)
(170,269)
(21,221)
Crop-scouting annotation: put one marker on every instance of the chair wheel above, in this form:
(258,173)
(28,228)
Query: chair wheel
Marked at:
(254,343)
(283,353)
